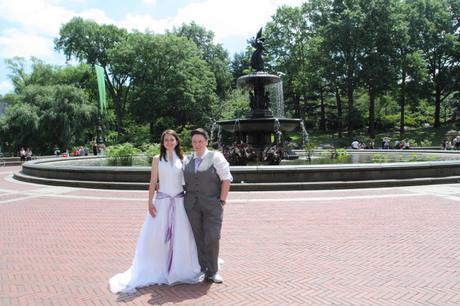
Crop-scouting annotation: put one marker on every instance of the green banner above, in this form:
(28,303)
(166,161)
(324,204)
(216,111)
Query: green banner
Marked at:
(101,88)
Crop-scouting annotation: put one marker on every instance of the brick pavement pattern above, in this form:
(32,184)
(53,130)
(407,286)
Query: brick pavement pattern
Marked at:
(388,246)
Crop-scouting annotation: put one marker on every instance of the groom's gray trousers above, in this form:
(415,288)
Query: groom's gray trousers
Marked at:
(201,202)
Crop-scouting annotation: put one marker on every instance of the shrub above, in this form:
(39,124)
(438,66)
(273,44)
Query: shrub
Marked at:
(387,121)
(150,150)
(426,143)
(186,138)
(309,148)
(121,154)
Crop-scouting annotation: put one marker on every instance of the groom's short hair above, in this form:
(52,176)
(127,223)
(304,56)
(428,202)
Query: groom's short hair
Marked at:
(200,131)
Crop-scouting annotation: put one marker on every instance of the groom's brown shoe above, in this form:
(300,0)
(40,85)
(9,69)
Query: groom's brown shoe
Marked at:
(216,278)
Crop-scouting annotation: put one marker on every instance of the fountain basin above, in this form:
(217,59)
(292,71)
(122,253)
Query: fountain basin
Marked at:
(246,178)
(259,125)
(257,78)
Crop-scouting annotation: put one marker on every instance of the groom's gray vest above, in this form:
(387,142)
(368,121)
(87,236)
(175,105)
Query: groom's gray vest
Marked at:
(202,187)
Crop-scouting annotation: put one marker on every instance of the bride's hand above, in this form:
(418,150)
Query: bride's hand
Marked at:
(152,209)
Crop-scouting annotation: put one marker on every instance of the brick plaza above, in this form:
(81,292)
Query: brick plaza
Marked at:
(388,246)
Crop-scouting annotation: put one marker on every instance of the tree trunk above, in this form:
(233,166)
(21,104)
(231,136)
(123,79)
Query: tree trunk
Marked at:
(152,132)
(296,106)
(371,130)
(116,98)
(339,111)
(322,124)
(304,106)
(119,110)
(402,102)
(350,103)
(437,105)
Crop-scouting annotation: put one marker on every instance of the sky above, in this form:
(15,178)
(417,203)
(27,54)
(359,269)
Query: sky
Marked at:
(29,27)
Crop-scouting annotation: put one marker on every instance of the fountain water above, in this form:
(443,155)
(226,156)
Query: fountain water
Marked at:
(304,134)
(276,99)
(216,134)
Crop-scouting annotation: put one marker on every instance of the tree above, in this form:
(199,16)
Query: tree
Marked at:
(45,116)
(91,43)
(437,29)
(343,32)
(408,62)
(19,126)
(377,70)
(287,38)
(214,54)
(240,65)
(49,106)
(173,85)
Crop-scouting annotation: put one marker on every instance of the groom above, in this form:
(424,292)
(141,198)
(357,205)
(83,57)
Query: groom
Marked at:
(207,183)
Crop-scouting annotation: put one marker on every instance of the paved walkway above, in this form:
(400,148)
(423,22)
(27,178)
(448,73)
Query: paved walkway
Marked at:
(389,246)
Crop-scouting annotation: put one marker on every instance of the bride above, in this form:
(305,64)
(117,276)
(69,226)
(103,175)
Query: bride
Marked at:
(166,251)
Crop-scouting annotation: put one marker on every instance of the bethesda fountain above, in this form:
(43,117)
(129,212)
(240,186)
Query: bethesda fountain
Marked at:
(259,129)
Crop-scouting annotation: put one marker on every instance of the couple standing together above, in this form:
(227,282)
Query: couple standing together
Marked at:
(179,241)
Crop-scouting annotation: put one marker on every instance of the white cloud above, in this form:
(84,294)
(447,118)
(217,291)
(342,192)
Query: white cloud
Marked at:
(231,18)
(14,42)
(37,22)
(34,25)
(38,16)
(237,18)
(97,15)
(44,16)
(144,22)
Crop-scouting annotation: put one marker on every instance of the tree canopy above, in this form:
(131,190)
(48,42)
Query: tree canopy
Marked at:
(345,65)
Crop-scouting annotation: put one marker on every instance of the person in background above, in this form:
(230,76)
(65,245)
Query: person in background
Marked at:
(28,154)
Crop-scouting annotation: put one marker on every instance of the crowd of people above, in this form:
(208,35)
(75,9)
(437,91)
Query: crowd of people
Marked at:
(386,144)
(80,151)
(453,144)
(25,154)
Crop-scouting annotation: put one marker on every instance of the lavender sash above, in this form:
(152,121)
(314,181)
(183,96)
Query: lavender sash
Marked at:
(171,222)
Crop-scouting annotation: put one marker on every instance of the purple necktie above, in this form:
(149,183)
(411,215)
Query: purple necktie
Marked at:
(198,161)
(171,222)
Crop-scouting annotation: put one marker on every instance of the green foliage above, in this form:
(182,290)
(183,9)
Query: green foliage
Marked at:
(339,154)
(387,121)
(177,90)
(214,54)
(410,142)
(135,133)
(392,63)
(121,154)
(240,64)
(309,149)
(236,105)
(151,150)
(19,126)
(186,138)
(46,116)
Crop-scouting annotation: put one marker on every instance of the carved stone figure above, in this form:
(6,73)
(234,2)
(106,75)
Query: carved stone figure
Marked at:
(257,63)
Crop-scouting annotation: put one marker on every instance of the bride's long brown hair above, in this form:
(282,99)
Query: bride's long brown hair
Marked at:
(177,149)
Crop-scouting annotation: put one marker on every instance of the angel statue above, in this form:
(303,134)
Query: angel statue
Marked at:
(257,63)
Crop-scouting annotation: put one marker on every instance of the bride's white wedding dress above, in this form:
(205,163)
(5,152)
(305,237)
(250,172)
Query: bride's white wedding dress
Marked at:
(166,251)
